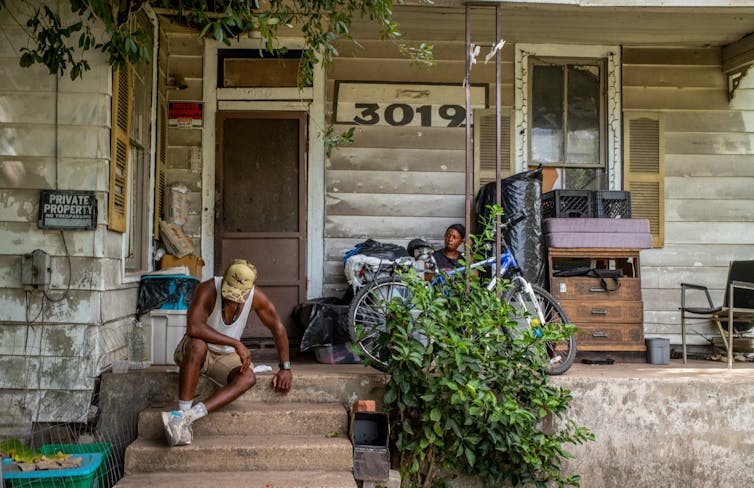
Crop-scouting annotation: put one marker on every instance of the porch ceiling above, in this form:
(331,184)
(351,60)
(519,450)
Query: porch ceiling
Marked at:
(578,22)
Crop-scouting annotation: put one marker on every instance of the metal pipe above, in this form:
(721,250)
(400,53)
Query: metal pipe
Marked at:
(469,150)
(498,186)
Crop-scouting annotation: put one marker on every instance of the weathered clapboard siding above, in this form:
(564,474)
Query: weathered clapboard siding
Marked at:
(56,135)
(709,177)
(686,165)
(721,211)
(408,182)
(394,184)
(405,138)
(386,159)
(708,188)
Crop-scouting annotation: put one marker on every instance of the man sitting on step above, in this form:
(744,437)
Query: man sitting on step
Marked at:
(216,319)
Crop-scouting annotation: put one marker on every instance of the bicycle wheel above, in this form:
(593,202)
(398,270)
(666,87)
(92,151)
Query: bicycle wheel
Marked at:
(367,316)
(561,354)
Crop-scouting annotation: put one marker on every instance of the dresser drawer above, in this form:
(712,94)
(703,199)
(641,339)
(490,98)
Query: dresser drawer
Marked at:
(610,337)
(603,311)
(584,288)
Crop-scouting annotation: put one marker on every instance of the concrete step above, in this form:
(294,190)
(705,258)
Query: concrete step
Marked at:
(241,479)
(312,383)
(318,383)
(241,452)
(258,418)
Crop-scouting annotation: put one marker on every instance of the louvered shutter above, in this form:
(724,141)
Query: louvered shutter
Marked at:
(119,145)
(644,170)
(484,146)
(162,144)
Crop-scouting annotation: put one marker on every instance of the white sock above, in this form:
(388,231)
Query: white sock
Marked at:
(197,411)
(185,405)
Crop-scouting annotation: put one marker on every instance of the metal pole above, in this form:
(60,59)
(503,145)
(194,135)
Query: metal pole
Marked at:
(498,186)
(469,150)
(730,326)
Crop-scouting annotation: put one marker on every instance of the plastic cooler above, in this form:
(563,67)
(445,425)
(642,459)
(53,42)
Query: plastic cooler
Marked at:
(84,476)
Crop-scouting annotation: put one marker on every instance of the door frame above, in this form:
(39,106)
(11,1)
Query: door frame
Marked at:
(310,100)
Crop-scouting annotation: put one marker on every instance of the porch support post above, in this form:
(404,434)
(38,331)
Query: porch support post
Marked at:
(469,149)
(498,185)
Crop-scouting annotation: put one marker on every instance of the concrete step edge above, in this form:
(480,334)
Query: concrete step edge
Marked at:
(242,479)
(241,452)
(270,419)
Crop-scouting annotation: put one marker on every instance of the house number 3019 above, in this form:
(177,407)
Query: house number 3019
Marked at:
(403,114)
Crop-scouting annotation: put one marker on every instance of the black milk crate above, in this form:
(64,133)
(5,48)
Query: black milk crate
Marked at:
(612,204)
(567,203)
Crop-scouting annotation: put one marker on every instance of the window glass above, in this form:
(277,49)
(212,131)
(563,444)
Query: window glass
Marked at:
(566,124)
(583,94)
(547,114)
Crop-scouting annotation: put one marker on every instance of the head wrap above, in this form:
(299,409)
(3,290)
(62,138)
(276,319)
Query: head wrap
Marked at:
(460,229)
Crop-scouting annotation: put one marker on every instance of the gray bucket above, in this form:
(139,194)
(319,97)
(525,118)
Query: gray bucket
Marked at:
(658,350)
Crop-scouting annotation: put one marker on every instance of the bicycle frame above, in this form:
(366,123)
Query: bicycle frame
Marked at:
(507,261)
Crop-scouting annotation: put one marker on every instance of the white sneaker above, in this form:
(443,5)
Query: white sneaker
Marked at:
(177,428)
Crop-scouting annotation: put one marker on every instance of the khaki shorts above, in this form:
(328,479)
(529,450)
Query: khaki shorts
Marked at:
(216,365)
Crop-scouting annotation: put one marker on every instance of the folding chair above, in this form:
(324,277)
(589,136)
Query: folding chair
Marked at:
(737,308)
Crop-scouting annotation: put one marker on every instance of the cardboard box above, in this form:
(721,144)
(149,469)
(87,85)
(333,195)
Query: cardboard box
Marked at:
(193,263)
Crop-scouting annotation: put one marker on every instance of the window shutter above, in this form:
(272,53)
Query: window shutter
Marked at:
(484,146)
(644,170)
(162,144)
(119,145)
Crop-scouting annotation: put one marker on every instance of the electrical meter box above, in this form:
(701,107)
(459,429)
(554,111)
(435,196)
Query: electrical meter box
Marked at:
(35,269)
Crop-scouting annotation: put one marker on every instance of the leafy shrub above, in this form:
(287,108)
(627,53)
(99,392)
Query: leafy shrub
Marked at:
(467,397)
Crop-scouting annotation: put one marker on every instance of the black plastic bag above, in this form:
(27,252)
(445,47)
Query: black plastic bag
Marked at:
(325,321)
(521,194)
(381,250)
(173,292)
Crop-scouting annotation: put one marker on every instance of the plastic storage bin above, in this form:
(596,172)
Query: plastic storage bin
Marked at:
(612,204)
(81,477)
(658,350)
(167,330)
(567,203)
(100,476)
(336,354)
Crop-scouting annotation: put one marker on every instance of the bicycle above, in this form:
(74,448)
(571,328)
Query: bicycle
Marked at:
(531,304)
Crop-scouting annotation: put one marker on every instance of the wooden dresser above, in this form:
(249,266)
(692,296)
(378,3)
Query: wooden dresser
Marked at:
(605,320)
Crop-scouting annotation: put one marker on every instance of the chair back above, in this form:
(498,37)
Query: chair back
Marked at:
(740,271)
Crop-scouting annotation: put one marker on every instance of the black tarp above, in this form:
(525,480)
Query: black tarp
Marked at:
(173,292)
(325,321)
(521,194)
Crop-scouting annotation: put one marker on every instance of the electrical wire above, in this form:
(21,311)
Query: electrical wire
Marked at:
(70,273)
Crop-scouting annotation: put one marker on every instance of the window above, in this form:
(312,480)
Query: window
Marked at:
(140,160)
(131,156)
(567,121)
(570,117)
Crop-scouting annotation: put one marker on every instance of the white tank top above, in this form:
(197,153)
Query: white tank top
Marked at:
(215,319)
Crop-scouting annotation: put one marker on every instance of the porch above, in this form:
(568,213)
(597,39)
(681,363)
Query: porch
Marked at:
(655,425)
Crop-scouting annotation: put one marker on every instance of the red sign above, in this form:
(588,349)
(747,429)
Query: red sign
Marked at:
(185,114)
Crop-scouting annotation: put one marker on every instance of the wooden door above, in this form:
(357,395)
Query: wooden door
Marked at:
(260,207)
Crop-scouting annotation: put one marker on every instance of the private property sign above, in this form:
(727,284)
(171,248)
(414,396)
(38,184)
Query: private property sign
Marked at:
(185,115)
(67,210)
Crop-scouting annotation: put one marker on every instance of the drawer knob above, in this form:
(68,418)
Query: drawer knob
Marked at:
(599,311)
(596,289)
(599,334)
